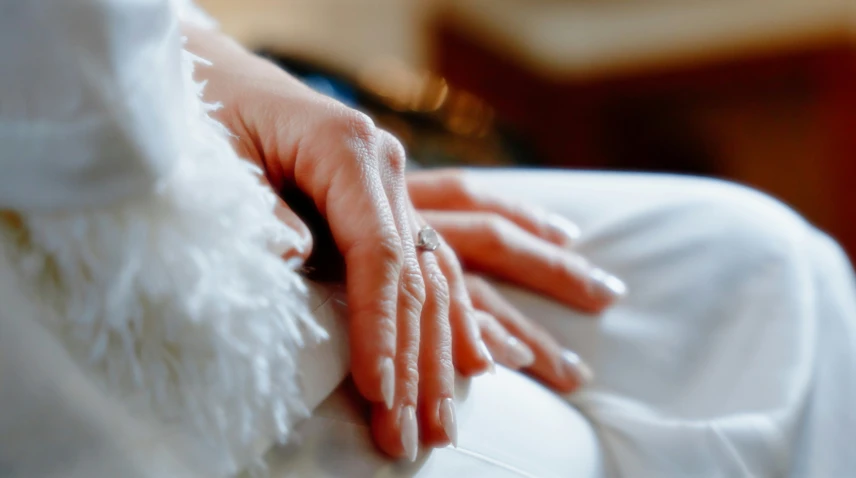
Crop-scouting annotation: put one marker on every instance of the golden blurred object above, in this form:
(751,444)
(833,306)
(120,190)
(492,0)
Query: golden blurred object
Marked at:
(405,89)
(397,85)
(466,115)
(434,93)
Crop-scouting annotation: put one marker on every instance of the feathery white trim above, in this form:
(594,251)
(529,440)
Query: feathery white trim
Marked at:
(179,302)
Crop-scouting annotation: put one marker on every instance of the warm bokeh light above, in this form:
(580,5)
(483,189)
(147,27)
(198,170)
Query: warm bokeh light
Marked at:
(754,91)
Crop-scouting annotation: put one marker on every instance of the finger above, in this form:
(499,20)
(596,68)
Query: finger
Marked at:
(395,428)
(506,348)
(471,355)
(448,190)
(560,368)
(437,373)
(491,244)
(372,272)
(302,239)
(347,189)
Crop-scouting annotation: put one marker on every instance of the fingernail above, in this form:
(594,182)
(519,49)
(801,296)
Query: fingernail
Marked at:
(387,382)
(606,285)
(448,420)
(519,355)
(409,433)
(574,366)
(485,353)
(568,230)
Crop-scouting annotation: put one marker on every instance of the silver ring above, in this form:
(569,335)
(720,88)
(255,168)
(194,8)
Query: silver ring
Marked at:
(427,239)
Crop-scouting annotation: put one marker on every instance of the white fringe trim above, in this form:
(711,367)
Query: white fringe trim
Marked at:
(178,302)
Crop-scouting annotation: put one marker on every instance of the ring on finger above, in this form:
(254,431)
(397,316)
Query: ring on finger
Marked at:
(427,239)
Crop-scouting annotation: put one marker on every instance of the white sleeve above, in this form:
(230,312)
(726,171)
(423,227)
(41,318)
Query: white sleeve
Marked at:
(88,100)
(133,234)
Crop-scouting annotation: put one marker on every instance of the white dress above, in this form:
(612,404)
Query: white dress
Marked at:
(139,336)
(732,356)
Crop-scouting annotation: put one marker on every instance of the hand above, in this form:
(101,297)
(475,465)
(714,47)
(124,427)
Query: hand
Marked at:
(406,309)
(523,245)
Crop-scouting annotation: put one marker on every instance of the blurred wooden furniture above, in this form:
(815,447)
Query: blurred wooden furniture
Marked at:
(343,33)
(602,39)
(771,85)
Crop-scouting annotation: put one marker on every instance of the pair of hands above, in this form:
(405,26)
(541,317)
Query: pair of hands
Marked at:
(415,317)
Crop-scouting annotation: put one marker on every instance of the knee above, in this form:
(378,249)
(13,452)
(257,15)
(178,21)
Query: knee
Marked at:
(742,225)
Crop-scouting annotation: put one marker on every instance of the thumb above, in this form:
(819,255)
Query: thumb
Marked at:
(303,249)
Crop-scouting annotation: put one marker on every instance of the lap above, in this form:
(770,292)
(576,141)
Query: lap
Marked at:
(730,351)
(683,382)
(508,425)
(695,254)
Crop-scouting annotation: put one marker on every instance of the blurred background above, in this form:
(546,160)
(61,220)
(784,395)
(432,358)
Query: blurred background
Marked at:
(762,92)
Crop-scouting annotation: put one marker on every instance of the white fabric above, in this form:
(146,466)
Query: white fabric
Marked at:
(733,354)
(90,100)
(137,249)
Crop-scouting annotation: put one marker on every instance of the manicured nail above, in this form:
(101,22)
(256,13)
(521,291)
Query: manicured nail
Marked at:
(574,366)
(519,354)
(448,420)
(606,285)
(387,382)
(409,432)
(485,353)
(569,231)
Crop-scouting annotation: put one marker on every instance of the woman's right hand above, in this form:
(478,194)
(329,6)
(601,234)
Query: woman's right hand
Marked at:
(509,240)
(404,326)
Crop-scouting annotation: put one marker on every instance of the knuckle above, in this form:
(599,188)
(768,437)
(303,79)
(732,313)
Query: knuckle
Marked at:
(460,189)
(484,319)
(495,330)
(386,327)
(497,230)
(387,249)
(446,366)
(357,130)
(397,161)
(413,289)
(396,157)
(439,287)
(566,268)
(526,330)
(411,370)
(377,319)
(358,125)
(556,266)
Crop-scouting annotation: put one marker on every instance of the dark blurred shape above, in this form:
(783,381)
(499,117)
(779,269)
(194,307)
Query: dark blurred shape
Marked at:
(437,124)
(326,263)
(656,136)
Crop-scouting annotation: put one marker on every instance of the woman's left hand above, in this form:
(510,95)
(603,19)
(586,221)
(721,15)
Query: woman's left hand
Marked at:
(525,246)
(408,332)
